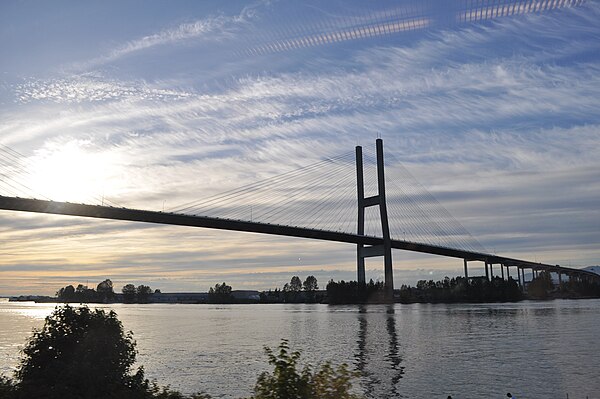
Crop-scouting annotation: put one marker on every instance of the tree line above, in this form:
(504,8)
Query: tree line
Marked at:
(104,293)
(460,289)
(543,287)
(350,292)
(456,289)
(295,291)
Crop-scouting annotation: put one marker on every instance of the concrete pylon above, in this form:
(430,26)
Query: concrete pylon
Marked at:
(385,249)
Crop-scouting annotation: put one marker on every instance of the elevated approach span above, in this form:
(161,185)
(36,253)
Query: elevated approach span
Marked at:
(137,215)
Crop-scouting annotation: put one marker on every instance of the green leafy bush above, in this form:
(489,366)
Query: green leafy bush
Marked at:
(288,382)
(80,353)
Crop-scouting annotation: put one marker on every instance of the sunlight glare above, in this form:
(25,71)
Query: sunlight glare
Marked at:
(73,172)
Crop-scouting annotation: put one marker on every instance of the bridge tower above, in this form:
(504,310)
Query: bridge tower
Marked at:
(384,249)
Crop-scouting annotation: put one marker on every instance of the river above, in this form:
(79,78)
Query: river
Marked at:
(531,349)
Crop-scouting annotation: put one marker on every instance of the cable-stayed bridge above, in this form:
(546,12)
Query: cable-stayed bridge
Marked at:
(350,198)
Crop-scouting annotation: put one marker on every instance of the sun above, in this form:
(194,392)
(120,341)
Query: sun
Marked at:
(74,172)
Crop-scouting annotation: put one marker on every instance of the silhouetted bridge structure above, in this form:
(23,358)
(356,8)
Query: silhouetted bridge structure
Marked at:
(367,245)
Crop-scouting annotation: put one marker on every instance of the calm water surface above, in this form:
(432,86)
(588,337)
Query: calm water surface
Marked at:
(532,349)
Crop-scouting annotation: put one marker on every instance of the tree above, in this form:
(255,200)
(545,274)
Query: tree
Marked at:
(129,292)
(105,290)
(66,294)
(541,286)
(310,284)
(288,382)
(143,292)
(292,290)
(220,294)
(80,353)
(7,388)
(296,284)
(84,294)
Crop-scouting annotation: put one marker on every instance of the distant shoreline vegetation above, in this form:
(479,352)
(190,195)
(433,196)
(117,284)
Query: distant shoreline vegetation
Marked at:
(447,290)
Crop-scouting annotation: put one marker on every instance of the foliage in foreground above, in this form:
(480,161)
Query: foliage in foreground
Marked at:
(288,382)
(85,354)
(81,353)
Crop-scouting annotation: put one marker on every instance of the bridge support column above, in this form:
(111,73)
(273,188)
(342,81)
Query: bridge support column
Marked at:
(502,270)
(521,282)
(385,249)
(466,269)
(360,188)
(491,271)
(487,273)
(507,272)
(559,279)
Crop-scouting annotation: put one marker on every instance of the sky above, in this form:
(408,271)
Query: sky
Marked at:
(489,107)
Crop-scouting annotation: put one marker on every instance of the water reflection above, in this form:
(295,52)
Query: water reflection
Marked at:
(394,355)
(379,364)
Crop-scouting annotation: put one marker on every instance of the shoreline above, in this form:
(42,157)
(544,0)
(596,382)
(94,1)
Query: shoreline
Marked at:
(54,300)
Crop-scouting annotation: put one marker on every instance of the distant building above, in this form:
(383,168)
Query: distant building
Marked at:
(179,297)
(200,297)
(246,295)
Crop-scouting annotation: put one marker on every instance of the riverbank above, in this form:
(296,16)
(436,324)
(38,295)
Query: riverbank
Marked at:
(449,290)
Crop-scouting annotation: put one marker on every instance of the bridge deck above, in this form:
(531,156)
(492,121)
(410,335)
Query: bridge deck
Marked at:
(107,212)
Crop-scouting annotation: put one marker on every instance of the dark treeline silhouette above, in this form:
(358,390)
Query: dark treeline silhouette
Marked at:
(221,293)
(343,292)
(85,354)
(295,291)
(460,289)
(479,289)
(448,290)
(104,293)
(543,287)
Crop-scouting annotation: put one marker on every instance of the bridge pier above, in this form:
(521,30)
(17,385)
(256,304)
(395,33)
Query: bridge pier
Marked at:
(466,269)
(360,188)
(559,279)
(502,270)
(487,273)
(385,249)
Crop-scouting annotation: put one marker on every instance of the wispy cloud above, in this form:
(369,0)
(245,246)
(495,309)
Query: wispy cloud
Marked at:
(89,88)
(211,29)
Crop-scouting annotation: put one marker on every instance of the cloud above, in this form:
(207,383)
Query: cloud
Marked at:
(212,29)
(90,89)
